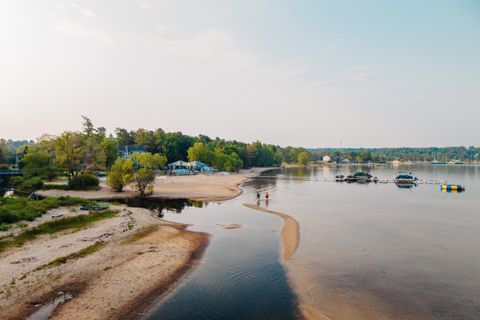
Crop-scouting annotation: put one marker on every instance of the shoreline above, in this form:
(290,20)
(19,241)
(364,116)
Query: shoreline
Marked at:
(101,284)
(133,268)
(208,188)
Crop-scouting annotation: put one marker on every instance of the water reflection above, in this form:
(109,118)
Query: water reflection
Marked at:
(160,206)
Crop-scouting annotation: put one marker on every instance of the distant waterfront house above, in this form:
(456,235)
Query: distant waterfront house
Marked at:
(197,166)
(178,165)
(326,159)
(125,151)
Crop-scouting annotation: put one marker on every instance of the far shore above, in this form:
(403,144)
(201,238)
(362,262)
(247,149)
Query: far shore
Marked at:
(195,187)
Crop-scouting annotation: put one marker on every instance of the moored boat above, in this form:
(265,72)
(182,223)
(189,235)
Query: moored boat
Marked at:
(361,176)
(405,178)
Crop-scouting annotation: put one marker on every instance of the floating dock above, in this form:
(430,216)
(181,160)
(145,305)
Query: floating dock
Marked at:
(453,187)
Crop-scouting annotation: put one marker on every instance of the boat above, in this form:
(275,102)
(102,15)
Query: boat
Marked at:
(340,178)
(405,178)
(438,162)
(360,176)
(97,207)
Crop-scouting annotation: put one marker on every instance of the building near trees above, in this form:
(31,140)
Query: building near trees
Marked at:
(126,151)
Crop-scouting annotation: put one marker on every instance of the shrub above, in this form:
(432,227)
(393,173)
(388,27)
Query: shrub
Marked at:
(120,174)
(20,208)
(26,184)
(83,182)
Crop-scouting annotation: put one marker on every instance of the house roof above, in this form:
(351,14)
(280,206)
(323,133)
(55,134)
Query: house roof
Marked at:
(132,148)
(198,163)
(178,163)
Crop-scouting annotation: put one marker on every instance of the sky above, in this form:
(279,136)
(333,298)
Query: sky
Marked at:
(308,73)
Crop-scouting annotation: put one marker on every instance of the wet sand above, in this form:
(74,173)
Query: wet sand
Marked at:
(143,255)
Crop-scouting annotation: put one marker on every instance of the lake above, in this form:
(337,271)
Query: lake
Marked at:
(367,251)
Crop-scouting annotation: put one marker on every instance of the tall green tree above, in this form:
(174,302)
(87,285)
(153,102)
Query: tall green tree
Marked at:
(70,153)
(201,152)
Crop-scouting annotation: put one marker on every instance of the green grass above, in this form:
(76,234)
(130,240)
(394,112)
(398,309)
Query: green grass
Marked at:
(79,254)
(54,226)
(13,210)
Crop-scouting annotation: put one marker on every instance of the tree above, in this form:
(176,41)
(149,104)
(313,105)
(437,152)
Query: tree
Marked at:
(88,127)
(5,152)
(303,158)
(145,165)
(121,174)
(143,180)
(109,151)
(69,153)
(200,152)
(148,160)
(124,137)
(37,163)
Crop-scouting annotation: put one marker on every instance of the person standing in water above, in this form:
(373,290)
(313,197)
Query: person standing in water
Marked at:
(258,195)
(267,195)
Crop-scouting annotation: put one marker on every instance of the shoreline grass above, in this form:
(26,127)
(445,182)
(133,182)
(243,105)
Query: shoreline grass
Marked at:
(51,227)
(75,255)
(16,209)
(140,234)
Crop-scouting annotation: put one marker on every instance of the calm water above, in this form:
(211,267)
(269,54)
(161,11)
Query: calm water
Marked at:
(239,276)
(374,250)
(366,251)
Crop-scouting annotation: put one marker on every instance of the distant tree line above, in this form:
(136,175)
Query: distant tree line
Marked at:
(380,155)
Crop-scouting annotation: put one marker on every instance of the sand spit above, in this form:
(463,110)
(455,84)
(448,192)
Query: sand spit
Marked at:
(200,187)
(290,236)
(290,232)
(142,256)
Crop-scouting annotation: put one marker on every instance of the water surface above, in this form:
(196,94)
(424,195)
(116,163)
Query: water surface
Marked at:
(378,251)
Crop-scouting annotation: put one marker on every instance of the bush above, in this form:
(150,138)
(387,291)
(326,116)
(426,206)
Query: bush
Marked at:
(26,184)
(83,182)
(120,174)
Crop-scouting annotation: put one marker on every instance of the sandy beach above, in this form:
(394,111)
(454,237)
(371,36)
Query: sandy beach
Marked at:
(200,187)
(141,256)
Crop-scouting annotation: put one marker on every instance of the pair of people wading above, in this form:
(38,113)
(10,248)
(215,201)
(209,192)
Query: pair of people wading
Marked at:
(266,195)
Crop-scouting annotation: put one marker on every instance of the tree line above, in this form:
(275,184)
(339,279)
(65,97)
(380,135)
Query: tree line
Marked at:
(78,154)
(379,155)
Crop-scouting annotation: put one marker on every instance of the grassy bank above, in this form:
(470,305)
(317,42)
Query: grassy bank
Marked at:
(54,226)
(16,209)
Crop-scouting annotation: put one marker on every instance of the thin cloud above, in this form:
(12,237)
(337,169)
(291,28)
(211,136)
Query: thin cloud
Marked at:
(76,29)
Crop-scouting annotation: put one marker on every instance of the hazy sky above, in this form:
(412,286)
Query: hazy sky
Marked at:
(307,73)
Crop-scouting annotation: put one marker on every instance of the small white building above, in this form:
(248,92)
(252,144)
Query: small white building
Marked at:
(326,159)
